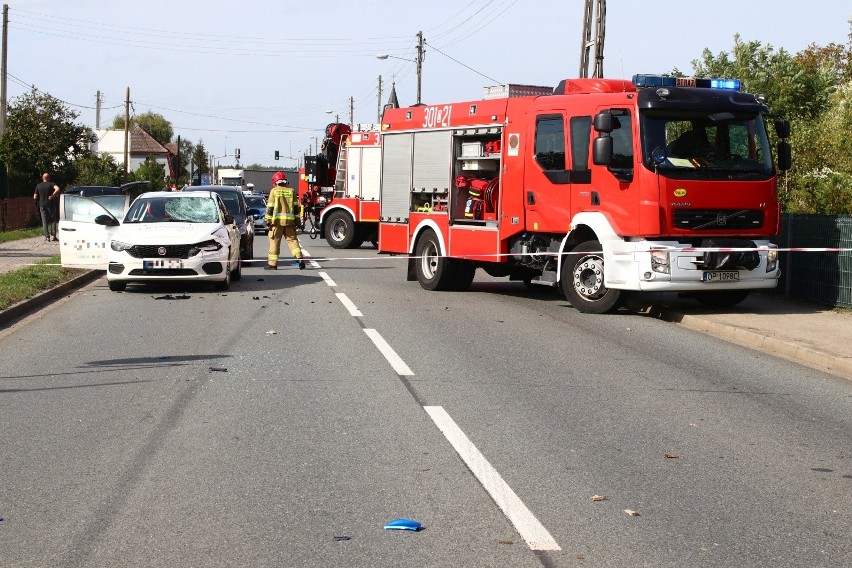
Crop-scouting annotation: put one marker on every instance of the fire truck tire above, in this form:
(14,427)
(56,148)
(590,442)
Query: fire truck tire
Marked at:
(582,281)
(722,298)
(339,229)
(434,272)
(465,271)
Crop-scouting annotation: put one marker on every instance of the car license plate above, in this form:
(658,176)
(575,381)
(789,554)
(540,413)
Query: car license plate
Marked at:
(721,276)
(168,263)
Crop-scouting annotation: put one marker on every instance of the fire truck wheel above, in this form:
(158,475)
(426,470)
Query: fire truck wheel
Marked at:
(339,229)
(464,272)
(582,281)
(722,298)
(434,272)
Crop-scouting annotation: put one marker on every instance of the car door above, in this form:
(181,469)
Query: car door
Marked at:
(85,231)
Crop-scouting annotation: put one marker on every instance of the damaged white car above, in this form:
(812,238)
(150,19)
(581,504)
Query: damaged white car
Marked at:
(164,236)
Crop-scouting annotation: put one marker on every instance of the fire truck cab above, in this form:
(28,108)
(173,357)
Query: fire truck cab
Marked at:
(600,187)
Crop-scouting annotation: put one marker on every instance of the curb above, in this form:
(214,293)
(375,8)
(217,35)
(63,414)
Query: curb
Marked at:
(797,353)
(29,305)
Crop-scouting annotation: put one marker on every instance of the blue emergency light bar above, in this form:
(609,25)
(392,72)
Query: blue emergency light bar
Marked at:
(668,81)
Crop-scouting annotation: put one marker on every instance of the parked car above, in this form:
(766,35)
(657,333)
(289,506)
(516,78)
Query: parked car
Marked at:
(257,210)
(235,201)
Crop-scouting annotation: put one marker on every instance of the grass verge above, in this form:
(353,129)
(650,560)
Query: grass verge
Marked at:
(6,236)
(19,285)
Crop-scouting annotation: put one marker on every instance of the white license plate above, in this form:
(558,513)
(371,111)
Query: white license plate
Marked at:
(173,263)
(721,276)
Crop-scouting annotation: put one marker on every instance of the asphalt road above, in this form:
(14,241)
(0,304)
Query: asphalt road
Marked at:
(284,422)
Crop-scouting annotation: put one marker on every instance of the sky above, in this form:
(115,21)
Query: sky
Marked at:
(267,75)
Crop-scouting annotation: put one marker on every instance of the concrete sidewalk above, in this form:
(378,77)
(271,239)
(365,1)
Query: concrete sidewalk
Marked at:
(811,334)
(17,254)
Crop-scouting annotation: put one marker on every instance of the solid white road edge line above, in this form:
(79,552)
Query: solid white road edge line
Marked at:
(530,529)
(327,278)
(396,362)
(353,309)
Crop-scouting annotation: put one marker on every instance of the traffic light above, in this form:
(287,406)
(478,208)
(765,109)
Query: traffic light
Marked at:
(277,155)
(237,153)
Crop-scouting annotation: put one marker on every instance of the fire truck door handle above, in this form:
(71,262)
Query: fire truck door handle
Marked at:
(530,198)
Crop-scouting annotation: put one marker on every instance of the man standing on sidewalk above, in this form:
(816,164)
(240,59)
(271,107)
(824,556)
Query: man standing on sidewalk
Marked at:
(45,193)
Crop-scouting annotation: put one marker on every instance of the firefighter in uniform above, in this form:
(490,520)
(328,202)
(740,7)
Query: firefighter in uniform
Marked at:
(280,219)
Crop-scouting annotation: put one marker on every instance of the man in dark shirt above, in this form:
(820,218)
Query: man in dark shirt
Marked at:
(45,193)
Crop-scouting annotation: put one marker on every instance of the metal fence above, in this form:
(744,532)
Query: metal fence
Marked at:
(822,277)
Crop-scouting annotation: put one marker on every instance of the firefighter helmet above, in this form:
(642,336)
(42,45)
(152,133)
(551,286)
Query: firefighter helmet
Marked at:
(278,178)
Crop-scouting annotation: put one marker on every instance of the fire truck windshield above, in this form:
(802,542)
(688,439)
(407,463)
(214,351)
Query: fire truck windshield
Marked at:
(718,145)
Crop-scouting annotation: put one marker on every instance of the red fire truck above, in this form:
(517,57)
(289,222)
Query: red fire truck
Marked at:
(342,185)
(599,187)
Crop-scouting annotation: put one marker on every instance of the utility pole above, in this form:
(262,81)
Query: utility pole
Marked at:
(379,109)
(419,62)
(351,111)
(98,111)
(3,69)
(597,42)
(126,135)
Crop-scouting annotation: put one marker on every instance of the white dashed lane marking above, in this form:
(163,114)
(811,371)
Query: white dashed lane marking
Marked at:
(529,527)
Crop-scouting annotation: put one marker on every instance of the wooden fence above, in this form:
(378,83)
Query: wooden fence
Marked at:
(18,213)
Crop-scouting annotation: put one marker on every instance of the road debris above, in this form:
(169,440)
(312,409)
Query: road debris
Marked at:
(271,332)
(403,525)
(671,456)
(599,498)
(631,512)
(218,369)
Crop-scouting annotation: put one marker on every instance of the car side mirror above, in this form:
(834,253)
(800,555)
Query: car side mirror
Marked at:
(107,220)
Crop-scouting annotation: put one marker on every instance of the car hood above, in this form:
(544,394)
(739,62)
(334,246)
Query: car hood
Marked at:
(168,233)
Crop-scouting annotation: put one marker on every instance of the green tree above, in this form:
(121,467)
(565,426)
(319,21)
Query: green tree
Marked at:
(150,170)
(813,89)
(200,159)
(100,169)
(185,153)
(41,136)
(151,122)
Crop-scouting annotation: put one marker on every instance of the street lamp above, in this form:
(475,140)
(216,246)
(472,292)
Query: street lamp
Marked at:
(418,61)
(336,115)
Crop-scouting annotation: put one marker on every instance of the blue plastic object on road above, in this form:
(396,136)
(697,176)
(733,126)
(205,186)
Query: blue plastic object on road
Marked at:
(403,525)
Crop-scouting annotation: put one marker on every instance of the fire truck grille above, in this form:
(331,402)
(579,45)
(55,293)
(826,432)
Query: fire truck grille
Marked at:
(720,219)
(151,251)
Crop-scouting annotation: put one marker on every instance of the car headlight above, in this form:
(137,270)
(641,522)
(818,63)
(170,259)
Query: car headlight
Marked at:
(119,246)
(206,246)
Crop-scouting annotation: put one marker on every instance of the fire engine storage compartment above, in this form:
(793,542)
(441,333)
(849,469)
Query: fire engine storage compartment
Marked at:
(416,169)
(476,152)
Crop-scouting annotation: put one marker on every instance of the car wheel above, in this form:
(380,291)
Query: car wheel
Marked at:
(225,283)
(117,286)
